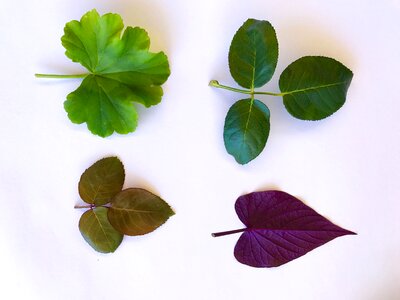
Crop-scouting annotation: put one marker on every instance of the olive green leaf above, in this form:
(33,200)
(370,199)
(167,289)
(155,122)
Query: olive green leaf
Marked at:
(102,181)
(253,54)
(98,232)
(136,211)
(246,129)
(121,68)
(314,87)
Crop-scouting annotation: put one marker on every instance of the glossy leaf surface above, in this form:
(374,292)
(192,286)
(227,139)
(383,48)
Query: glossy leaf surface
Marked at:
(136,211)
(122,71)
(253,54)
(102,181)
(314,87)
(246,129)
(279,228)
(98,232)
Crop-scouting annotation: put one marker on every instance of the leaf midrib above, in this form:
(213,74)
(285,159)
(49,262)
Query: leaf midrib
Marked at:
(292,230)
(136,210)
(252,94)
(313,88)
(102,229)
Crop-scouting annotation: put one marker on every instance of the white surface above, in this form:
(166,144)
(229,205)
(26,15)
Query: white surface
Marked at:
(346,167)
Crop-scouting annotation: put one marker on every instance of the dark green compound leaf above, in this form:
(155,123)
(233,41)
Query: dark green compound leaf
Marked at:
(314,87)
(246,129)
(98,232)
(136,211)
(122,71)
(253,54)
(102,181)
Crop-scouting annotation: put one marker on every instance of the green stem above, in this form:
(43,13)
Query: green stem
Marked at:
(216,84)
(60,76)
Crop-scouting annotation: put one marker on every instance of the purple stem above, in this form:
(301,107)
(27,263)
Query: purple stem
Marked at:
(84,206)
(217,234)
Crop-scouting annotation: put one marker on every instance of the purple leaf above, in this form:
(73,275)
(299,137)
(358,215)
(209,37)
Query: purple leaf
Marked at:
(280,228)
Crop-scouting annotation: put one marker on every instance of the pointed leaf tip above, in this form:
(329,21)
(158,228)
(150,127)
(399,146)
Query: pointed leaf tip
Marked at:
(280,228)
(136,211)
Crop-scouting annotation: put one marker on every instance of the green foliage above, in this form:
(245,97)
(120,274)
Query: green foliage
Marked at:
(102,181)
(98,232)
(137,211)
(253,54)
(313,88)
(246,129)
(310,92)
(121,68)
(132,211)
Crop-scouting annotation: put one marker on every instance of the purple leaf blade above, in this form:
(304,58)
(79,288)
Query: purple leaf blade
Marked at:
(280,228)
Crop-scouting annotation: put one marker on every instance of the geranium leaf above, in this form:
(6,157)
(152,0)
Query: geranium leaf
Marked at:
(253,54)
(279,228)
(246,129)
(121,68)
(102,181)
(314,87)
(136,211)
(98,232)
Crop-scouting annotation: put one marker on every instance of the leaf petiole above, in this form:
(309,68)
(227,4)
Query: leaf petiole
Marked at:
(217,234)
(85,206)
(215,83)
(61,76)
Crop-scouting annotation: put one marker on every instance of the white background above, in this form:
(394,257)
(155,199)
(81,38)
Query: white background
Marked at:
(346,167)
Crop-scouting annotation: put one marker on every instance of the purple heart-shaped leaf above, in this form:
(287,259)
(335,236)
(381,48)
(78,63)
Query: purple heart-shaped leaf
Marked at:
(279,228)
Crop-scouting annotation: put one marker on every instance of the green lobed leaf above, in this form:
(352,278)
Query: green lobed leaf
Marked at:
(136,211)
(102,181)
(246,129)
(314,87)
(253,54)
(122,71)
(98,232)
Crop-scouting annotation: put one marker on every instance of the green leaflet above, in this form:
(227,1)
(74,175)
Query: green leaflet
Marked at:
(121,68)
(137,211)
(253,54)
(313,88)
(246,129)
(132,211)
(102,181)
(310,91)
(98,232)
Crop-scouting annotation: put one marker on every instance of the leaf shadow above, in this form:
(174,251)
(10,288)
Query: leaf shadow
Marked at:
(135,181)
(267,187)
(273,187)
(150,17)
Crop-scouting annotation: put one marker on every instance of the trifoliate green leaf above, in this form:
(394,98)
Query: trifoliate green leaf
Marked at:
(122,71)
(253,54)
(314,87)
(98,232)
(246,129)
(102,181)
